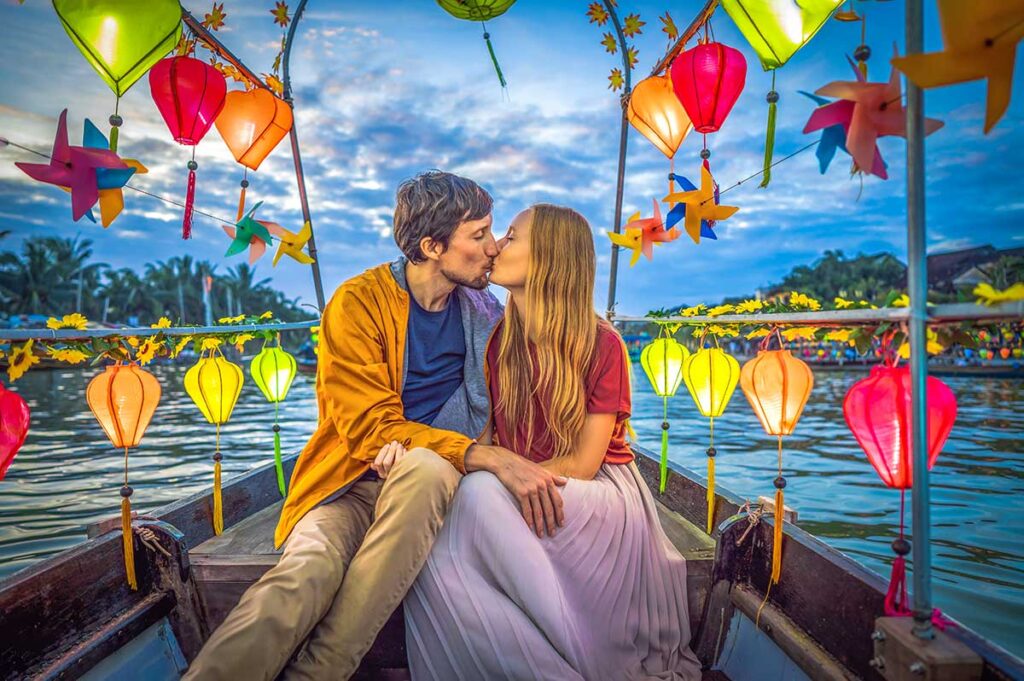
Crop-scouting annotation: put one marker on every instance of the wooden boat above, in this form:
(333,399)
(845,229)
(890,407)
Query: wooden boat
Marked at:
(72,615)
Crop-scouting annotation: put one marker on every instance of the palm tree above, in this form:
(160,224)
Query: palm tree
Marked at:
(244,289)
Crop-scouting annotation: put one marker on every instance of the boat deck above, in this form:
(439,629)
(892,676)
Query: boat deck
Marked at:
(225,566)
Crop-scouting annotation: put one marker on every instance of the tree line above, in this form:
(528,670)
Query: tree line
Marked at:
(56,275)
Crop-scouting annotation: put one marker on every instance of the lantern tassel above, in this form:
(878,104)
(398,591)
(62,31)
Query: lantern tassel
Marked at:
(664,458)
(780,505)
(711,493)
(896,596)
(780,517)
(277,460)
(218,503)
(769,140)
(128,542)
(494,59)
(241,202)
(190,197)
(218,510)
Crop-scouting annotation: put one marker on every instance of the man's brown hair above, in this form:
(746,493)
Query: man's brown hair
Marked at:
(434,204)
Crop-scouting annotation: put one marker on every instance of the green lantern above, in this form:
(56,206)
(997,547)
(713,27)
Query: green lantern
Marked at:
(121,40)
(776,29)
(662,360)
(273,369)
(482,11)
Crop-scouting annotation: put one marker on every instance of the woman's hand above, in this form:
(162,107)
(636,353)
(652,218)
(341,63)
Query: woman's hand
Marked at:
(389,455)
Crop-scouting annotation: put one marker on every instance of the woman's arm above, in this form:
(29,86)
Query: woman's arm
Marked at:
(593,445)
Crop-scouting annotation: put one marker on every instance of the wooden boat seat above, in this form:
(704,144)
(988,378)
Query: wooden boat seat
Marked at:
(225,566)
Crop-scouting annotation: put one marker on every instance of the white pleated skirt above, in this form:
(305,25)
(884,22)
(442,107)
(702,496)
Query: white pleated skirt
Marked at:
(605,598)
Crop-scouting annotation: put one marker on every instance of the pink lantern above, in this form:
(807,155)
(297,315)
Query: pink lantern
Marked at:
(708,79)
(14,417)
(877,410)
(189,94)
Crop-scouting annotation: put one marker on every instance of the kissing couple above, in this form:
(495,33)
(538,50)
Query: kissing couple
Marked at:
(471,463)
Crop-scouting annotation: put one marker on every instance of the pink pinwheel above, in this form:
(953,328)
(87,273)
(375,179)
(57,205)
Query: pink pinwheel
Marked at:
(640,235)
(867,111)
(74,168)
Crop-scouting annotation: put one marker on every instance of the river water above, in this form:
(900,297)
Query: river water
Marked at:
(67,475)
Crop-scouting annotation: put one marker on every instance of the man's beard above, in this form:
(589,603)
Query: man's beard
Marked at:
(479,283)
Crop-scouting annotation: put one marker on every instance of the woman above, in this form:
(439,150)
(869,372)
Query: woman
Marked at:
(605,596)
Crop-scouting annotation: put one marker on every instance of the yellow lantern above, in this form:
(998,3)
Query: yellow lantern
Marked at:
(214,384)
(662,360)
(656,112)
(711,376)
(123,399)
(273,369)
(777,385)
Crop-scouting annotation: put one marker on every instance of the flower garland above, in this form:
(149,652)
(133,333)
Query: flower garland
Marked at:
(125,347)
(862,337)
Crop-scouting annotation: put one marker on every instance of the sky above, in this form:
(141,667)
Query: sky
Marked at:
(384,91)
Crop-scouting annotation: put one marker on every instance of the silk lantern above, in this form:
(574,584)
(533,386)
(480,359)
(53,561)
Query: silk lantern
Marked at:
(273,369)
(662,360)
(252,123)
(777,385)
(655,111)
(711,376)
(214,384)
(121,40)
(878,412)
(189,94)
(776,29)
(123,399)
(708,79)
(14,418)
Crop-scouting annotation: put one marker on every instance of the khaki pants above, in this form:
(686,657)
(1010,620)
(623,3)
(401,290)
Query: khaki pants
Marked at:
(345,568)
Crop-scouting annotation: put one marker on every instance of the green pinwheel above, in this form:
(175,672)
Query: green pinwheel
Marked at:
(249,232)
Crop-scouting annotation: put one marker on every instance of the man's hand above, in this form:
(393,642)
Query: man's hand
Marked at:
(535,488)
(389,455)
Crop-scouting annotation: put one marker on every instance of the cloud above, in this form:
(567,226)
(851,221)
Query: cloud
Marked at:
(382,96)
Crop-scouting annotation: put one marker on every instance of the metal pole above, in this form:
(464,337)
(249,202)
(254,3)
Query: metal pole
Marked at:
(623,138)
(299,175)
(698,21)
(917,283)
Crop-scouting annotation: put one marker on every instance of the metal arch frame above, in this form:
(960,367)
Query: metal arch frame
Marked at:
(217,46)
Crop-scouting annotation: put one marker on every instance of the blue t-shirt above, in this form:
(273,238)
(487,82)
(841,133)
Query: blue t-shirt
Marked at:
(437,357)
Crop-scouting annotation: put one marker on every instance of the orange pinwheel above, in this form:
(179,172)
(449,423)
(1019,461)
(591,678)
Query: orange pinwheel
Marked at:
(981,42)
(640,234)
(877,112)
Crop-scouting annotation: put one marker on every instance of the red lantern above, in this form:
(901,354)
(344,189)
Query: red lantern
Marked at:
(14,416)
(877,410)
(708,79)
(189,94)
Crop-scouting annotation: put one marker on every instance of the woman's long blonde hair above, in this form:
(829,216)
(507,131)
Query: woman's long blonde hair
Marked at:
(559,295)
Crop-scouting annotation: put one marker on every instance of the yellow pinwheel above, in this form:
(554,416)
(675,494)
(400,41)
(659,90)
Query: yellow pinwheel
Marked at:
(292,243)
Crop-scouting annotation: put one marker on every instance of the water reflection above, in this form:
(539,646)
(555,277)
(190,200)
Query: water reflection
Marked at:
(67,475)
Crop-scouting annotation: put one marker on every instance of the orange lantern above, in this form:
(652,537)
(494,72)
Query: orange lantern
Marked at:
(777,385)
(252,123)
(123,399)
(655,111)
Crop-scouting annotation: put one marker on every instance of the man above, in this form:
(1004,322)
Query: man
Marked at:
(402,350)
